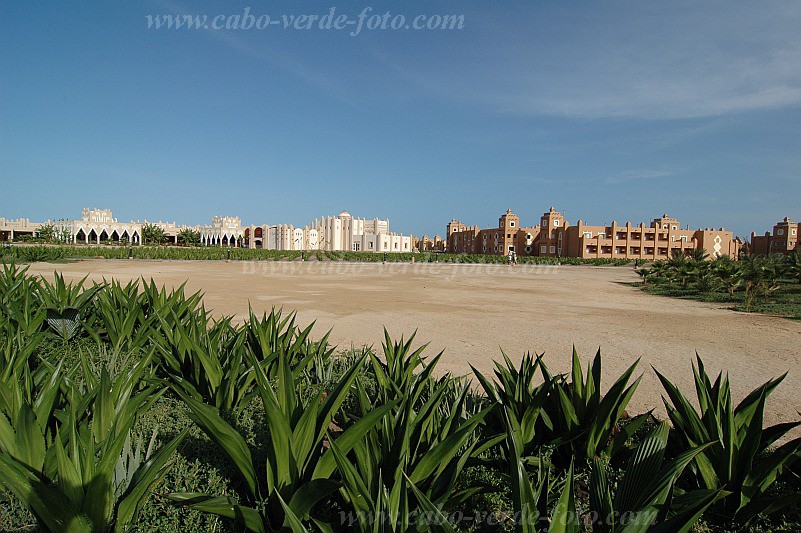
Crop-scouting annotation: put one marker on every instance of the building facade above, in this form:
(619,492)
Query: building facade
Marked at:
(556,237)
(223,231)
(344,233)
(97,226)
(337,234)
(508,237)
(783,239)
(16,229)
(427,244)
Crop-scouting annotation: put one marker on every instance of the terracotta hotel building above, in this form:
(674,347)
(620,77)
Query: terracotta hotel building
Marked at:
(783,240)
(556,237)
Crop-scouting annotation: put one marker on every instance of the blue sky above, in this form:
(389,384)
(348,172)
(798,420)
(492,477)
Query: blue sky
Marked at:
(616,110)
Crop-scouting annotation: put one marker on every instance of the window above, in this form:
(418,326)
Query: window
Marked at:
(543,249)
(512,224)
(779,232)
(556,222)
(792,232)
(588,235)
(528,249)
(664,226)
(544,222)
(673,228)
(553,249)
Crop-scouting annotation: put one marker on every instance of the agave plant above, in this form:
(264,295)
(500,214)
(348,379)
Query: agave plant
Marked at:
(644,499)
(121,318)
(298,468)
(739,460)
(173,307)
(403,472)
(274,333)
(515,391)
(207,362)
(20,309)
(531,500)
(572,415)
(587,422)
(75,469)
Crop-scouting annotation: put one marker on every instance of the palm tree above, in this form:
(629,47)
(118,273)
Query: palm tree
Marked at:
(46,232)
(760,277)
(152,234)
(728,272)
(793,266)
(699,255)
(677,258)
(189,237)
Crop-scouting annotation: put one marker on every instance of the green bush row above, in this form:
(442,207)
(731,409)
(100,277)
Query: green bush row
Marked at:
(37,253)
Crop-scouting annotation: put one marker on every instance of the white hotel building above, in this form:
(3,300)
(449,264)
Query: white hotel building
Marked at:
(341,233)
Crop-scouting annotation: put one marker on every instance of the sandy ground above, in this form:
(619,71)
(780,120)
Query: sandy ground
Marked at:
(472,311)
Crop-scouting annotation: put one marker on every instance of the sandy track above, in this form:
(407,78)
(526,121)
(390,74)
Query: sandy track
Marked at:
(471,311)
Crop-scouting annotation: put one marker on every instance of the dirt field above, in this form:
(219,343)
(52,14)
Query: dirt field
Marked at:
(472,311)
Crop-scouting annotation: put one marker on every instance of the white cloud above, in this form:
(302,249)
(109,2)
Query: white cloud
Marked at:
(642,61)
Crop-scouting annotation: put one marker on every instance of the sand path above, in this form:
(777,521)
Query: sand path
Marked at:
(471,311)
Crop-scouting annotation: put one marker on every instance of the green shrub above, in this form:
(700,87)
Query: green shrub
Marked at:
(739,459)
